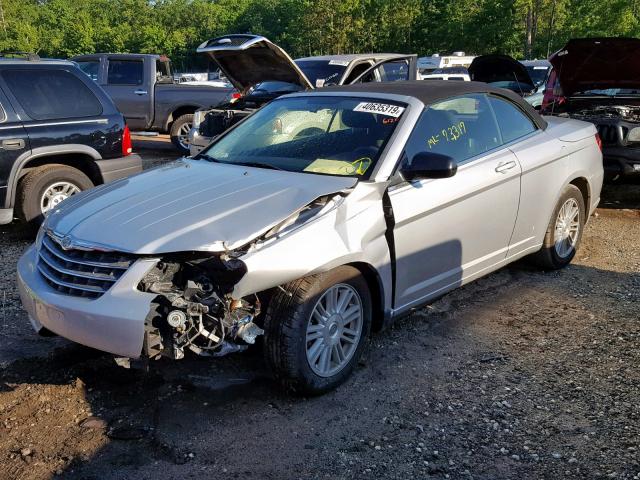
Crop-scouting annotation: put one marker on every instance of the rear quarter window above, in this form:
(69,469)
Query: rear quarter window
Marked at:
(91,68)
(48,94)
(513,122)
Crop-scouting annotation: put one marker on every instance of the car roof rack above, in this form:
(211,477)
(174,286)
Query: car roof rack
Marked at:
(32,57)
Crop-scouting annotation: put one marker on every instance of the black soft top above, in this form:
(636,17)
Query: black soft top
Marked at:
(431,91)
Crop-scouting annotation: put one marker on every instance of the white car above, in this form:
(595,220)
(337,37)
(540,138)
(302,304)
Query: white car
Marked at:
(448,73)
(402,192)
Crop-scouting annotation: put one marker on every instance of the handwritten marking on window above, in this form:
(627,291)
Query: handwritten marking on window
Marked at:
(450,134)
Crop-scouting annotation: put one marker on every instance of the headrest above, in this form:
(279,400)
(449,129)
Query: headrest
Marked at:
(358,119)
(439,118)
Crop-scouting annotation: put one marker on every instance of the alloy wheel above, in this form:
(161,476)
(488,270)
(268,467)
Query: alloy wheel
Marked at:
(567,228)
(56,193)
(334,330)
(183,135)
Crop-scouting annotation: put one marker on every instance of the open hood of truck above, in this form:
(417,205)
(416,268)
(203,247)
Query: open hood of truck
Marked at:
(597,63)
(501,69)
(247,60)
(188,205)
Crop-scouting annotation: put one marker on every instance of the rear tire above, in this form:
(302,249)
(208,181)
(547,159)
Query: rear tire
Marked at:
(180,132)
(44,187)
(562,239)
(296,339)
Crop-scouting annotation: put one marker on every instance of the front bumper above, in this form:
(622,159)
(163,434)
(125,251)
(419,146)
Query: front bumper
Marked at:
(115,168)
(113,322)
(621,161)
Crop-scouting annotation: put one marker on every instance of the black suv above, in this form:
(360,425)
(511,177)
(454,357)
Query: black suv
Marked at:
(59,134)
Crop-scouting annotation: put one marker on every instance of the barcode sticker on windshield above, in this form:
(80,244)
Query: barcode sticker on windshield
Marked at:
(381,108)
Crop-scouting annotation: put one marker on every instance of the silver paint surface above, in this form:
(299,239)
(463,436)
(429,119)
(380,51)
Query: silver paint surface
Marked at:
(189,205)
(447,231)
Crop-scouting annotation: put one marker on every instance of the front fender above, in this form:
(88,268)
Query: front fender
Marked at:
(354,232)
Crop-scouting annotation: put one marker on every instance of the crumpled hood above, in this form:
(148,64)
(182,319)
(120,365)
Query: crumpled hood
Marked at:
(188,205)
(597,63)
(247,60)
(499,68)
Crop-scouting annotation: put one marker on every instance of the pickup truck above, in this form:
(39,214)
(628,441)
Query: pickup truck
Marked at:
(143,89)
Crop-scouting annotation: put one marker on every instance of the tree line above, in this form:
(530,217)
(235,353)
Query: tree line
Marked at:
(521,28)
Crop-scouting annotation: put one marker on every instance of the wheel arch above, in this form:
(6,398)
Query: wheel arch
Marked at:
(81,157)
(376,288)
(178,112)
(585,189)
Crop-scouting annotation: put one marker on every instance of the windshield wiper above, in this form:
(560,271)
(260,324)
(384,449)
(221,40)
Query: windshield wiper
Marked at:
(259,165)
(203,156)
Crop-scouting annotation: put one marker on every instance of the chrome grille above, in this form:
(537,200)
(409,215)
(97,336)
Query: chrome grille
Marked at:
(81,273)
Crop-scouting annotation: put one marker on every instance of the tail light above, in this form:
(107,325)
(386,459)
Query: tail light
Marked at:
(599,141)
(235,96)
(126,141)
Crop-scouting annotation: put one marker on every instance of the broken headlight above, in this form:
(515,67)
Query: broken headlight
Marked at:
(317,208)
(193,308)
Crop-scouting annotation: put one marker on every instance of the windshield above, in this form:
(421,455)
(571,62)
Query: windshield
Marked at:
(91,68)
(538,73)
(611,92)
(517,87)
(274,87)
(323,72)
(313,134)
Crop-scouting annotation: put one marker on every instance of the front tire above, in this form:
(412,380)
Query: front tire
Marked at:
(43,188)
(180,132)
(564,233)
(316,329)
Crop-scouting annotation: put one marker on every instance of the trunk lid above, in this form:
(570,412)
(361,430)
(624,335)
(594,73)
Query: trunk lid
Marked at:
(564,129)
(250,59)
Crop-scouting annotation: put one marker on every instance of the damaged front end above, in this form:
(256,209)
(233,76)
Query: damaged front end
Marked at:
(194,309)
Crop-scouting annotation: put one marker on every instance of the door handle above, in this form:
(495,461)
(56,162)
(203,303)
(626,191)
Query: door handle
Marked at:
(12,144)
(505,166)
(140,92)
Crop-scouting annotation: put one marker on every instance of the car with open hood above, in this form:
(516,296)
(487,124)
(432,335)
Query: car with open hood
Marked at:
(598,80)
(262,71)
(504,71)
(406,191)
(539,71)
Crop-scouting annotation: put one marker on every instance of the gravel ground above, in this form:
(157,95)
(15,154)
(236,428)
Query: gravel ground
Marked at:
(522,374)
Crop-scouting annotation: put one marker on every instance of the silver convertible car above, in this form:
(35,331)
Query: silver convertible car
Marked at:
(319,218)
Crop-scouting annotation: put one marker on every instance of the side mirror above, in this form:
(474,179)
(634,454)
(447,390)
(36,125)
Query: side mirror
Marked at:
(429,165)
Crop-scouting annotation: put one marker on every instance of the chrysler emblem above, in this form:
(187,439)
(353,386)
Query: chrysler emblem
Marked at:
(66,242)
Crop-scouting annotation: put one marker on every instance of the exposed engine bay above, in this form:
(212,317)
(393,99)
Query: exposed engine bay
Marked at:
(599,112)
(617,121)
(218,120)
(193,309)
